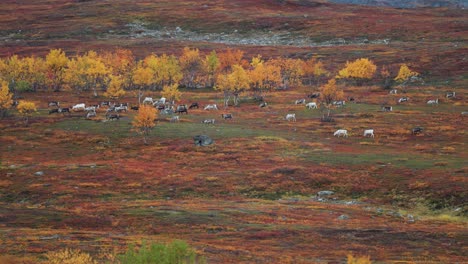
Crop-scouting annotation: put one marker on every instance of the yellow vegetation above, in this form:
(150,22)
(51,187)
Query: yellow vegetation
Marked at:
(358,260)
(69,256)
(144,120)
(5,97)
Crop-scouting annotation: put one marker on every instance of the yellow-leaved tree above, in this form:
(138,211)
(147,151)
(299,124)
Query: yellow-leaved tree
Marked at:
(26,109)
(145,121)
(329,93)
(191,64)
(115,89)
(358,260)
(211,66)
(5,98)
(171,92)
(292,71)
(264,76)
(404,74)
(96,71)
(233,84)
(360,70)
(56,61)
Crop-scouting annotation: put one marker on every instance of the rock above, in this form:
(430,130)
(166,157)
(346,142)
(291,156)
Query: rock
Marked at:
(12,166)
(39,173)
(49,237)
(393,213)
(324,193)
(410,218)
(379,210)
(202,140)
(343,217)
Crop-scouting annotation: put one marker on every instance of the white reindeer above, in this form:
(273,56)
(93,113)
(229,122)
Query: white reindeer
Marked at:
(311,105)
(369,133)
(341,132)
(291,117)
(211,107)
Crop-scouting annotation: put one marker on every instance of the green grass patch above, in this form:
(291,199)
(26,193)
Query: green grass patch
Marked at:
(408,161)
(177,251)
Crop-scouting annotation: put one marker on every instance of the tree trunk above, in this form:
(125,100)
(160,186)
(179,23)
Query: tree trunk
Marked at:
(226,99)
(236,99)
(140,94)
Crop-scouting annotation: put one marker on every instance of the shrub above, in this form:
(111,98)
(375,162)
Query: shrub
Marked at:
(358,260)
(174,253)
(69,256)
(24,86)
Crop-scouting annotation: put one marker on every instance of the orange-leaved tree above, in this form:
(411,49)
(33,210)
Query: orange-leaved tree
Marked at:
(144,121)
(229,58)
(120,62)
(5,98)
(233,84)
(26,109)
(359,70)
(329,93)
(314,70)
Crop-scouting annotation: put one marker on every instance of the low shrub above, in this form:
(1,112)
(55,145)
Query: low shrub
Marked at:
(69,256)
(173,253)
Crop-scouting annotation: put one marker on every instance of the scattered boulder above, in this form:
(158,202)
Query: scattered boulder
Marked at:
(202,140)
(325,193)
(410,218)
(343,217)
(49,237)
(39,173)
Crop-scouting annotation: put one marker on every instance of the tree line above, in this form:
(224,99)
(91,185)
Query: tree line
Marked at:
(228,71)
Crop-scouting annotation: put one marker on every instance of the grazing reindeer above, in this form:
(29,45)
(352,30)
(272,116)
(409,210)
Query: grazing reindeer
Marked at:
(291,117)
(226,116)
(54,103)
(300,101)
(208,121)
(341,132)
(369,132)
(193,105)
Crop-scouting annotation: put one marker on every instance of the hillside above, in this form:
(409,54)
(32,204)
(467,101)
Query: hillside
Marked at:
(300,28)
(278,184)
(408,3)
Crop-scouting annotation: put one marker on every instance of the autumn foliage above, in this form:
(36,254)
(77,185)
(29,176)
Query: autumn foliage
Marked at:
(405,73)
(69,256)
(358,70)
(115,89)
(26,109)
(5,98)
(144,120)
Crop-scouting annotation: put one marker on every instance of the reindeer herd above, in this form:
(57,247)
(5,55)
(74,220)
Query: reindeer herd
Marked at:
(112,110)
